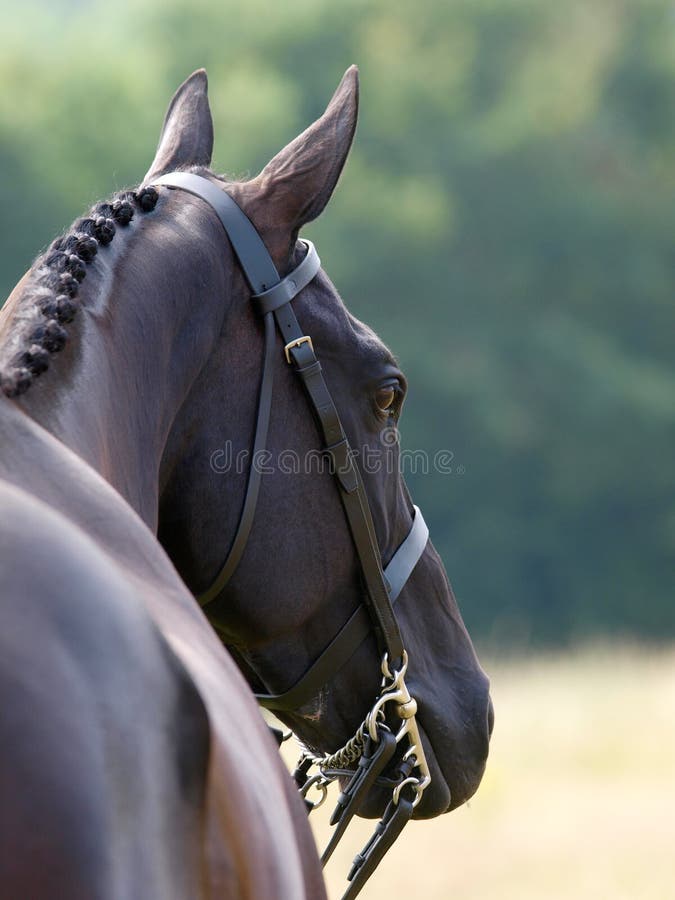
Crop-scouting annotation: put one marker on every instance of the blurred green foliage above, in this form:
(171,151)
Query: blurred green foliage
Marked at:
(506,222)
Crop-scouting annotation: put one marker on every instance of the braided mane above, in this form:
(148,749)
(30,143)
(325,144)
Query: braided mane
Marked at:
(55,280)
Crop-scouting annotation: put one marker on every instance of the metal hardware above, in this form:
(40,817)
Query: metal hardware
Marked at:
(393,690)
(305,339)
(396,793)
(363,748)
(406,707)
(321,784)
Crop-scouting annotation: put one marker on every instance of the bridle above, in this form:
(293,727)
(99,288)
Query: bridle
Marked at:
(373,746)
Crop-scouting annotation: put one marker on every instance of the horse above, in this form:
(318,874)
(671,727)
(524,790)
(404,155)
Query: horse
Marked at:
(134,761)
(114,429)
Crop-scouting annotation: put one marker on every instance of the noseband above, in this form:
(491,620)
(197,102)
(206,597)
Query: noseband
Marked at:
(374,744)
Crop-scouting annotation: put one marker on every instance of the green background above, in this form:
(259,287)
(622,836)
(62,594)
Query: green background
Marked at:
(505,222)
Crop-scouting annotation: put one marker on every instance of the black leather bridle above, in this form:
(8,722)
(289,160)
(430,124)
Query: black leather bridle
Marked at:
(374,744)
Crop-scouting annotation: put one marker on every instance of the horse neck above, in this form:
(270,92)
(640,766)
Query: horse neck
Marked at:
(146,327)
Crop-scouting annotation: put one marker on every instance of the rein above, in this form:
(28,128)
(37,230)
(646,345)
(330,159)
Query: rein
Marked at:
(374,744)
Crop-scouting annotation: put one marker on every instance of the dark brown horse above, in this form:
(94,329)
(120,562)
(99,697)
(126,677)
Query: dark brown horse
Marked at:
(128,742)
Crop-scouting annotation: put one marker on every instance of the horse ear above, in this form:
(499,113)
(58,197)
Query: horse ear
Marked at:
(187,133)
(296,185)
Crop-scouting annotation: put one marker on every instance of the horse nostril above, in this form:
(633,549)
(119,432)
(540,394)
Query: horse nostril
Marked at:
(490,717)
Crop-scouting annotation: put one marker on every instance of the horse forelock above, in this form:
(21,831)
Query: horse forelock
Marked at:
(51,298)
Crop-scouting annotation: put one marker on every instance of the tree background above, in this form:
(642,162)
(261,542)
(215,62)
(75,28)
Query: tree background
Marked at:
(505,222)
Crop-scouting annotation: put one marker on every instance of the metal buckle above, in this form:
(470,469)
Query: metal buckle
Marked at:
(305,339)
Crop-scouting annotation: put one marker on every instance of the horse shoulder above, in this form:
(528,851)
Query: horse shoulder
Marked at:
(254,811)
(105,738)
(117,692)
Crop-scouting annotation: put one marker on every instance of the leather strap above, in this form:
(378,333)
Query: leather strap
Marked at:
(295,282)
(290,286)
(247,515)
(273,295)
(255,261)
(352,493)
(357,627)
(407,556)
(396,817)
(376,757)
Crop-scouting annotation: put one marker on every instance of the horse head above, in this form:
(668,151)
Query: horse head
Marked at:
(298,579)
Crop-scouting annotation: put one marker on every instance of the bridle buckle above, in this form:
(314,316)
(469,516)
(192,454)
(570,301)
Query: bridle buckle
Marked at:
(305,339)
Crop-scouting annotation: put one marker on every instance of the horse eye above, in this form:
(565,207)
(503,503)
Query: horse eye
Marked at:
(385,397)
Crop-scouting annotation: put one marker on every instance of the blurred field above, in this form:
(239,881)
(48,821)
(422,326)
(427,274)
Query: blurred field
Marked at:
(578,800)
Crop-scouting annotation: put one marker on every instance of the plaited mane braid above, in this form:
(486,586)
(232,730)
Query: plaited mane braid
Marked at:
(57,280)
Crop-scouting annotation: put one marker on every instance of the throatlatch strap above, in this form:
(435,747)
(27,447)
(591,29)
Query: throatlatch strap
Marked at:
(247,516)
